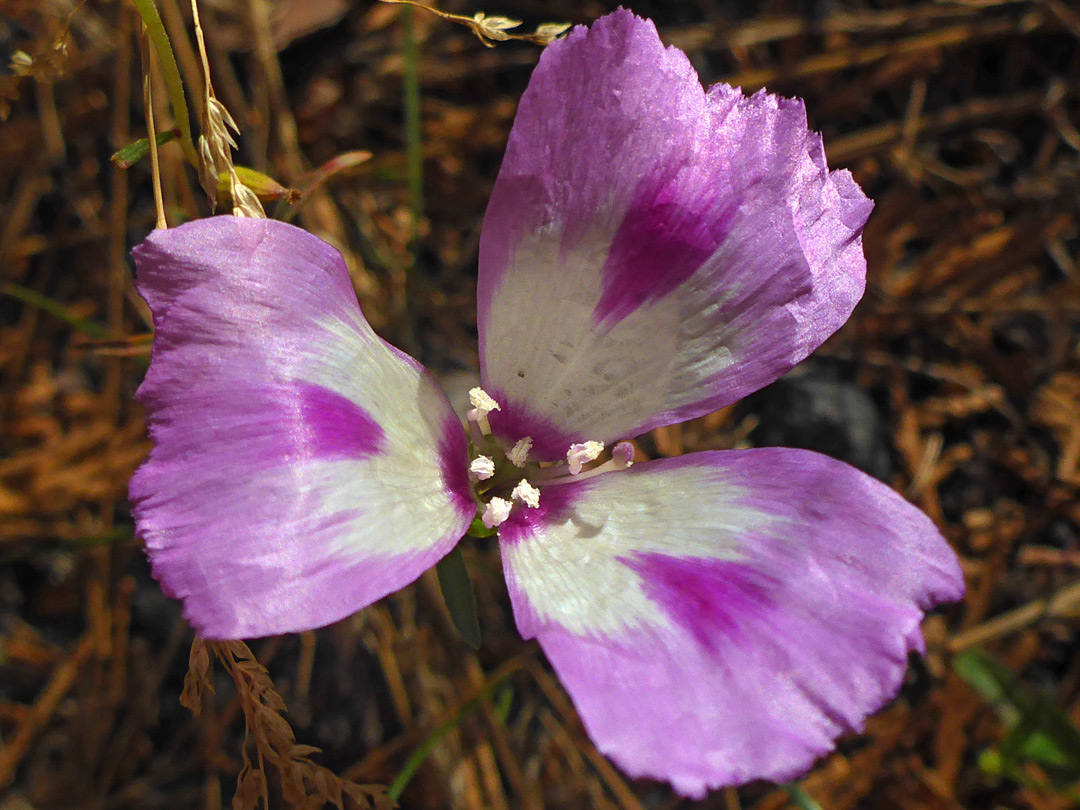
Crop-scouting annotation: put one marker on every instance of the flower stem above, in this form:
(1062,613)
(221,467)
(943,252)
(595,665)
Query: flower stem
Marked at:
(151,133)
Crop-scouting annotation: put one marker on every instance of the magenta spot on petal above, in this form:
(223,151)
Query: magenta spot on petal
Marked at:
(713,599)
(333,425)
(454,462)
(667,233)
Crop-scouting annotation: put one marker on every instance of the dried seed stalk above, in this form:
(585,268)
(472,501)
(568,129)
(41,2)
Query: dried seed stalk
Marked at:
(304,783)
(197,681)
(490,29)
(216,142)
(47,59)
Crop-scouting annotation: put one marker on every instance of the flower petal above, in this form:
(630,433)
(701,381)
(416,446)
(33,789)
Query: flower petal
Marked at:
(651,251)
(302,468)
(723,617)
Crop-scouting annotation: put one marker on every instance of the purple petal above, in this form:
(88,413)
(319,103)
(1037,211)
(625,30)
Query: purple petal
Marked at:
(723,617)
(302,468)
(651,251)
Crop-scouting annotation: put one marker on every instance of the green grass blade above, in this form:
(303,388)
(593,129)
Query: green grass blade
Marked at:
(412,765)
(160,40)
(55,308)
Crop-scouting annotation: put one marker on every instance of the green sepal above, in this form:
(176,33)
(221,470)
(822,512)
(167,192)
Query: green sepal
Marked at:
(458,594)
(479,530)
(266,188)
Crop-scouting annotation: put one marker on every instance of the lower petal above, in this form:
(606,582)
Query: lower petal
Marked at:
(723,617)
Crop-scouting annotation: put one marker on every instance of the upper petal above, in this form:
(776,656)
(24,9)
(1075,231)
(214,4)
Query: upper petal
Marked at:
(723,617)
(652,251)
(302,467)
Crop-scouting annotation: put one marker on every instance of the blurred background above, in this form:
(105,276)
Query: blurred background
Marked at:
(956,381)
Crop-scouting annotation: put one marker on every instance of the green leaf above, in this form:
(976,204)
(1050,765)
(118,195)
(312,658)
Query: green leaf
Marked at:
(131,154)
(1038,730)
(457,590)
(990,763)
(504,699)
(982,674)
(802,799)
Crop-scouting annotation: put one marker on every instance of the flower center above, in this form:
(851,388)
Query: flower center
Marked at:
(504,479)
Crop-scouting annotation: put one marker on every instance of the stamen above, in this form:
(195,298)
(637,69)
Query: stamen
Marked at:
(476,436)
(611,465)
(496,512)
(519,453)
(623,455)
(580,454)
(526,493)
(482,405)
(482,400)
(481,468)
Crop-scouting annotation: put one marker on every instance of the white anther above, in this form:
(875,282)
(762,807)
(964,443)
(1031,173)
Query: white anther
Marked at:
(519,453)
(526,493)
(482,401)
(481,468)
(580,454)
(482,405)
(496,512)
(623,455)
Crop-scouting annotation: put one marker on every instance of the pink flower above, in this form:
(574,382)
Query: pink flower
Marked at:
(652,252)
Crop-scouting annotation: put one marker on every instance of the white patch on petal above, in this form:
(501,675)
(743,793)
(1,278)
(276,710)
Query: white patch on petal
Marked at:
(570,572)
(542,350)
(397,499)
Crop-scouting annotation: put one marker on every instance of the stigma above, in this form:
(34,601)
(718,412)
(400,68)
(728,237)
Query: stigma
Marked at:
(581,454)
(506,477)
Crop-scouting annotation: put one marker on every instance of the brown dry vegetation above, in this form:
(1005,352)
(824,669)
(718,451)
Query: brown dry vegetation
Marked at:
(956,380)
